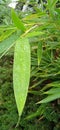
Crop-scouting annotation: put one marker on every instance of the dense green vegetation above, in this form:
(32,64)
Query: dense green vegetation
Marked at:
(41,26)
(8,110)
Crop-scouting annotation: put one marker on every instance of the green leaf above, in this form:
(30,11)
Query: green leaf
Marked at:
(8,43)
(39,112)
(51,6)
(54,2)
(6,34)
(53,91)
(50,98)
(18,23)
(39,52)
(34,34)
(21,72)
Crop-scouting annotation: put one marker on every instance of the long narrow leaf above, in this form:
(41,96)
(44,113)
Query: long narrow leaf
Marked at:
(39,52)
(7,43)
(39,112)
(53,91)
(18,23)
(50,98)
(21,72)
(6,34)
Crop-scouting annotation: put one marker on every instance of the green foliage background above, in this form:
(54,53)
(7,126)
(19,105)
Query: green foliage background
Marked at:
(8,110)
(42,28)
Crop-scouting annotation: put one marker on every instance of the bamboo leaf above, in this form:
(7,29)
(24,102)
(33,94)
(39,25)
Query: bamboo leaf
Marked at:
(54,2)
(21,72)
(53,91)
(34,34)
(50,98)
(8,43)
(18,23)
(39,112)
(6,34)
(39,52)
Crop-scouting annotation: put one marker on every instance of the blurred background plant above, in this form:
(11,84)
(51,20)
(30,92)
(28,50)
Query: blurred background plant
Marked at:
(42,22)
(5,17)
